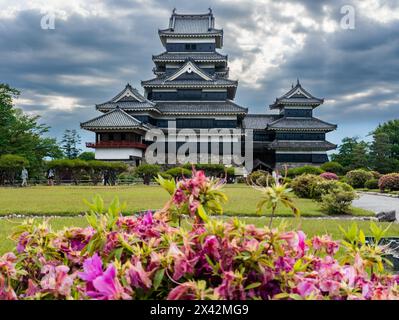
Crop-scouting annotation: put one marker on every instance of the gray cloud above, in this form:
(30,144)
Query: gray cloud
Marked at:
(88,59)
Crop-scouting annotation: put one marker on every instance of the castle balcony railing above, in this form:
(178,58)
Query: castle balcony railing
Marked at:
(116,144)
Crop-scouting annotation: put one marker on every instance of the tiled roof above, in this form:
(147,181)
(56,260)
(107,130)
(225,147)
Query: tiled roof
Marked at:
(204,107)
(116,118)
(191,24)
(296,96)
(196,56)
(126,105)
(301,124)
(162,82)
(129,97)
(258,121)
(303,145)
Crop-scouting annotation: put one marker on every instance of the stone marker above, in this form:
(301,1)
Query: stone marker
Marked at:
(386,216)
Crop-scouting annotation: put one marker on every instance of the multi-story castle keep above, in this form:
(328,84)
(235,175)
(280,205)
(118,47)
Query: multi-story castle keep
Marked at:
(191,89)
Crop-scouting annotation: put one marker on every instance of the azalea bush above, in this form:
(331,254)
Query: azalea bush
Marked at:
(150,257)
(329,176)
(389,181)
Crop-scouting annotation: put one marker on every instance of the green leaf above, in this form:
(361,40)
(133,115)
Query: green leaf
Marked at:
(253,285)
(202,213)
(158,278)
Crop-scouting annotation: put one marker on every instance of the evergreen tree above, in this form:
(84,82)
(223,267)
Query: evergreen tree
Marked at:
(70,144)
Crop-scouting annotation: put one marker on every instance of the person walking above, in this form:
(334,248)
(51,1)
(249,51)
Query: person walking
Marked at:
(106,178)
(50,177)
(24,177)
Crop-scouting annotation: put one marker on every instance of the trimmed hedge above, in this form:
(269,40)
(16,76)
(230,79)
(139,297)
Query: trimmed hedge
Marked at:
(178,172)
(76,169)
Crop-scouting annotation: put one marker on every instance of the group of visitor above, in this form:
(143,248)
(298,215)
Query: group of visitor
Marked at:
(109,177)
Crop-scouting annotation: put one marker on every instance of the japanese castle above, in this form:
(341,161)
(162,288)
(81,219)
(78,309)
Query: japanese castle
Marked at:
(192,90)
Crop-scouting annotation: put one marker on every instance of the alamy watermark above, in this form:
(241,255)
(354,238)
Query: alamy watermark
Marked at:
(348,20)
(231,147)
(47,22)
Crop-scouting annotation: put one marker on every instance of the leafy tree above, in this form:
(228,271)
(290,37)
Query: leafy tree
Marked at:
(21,134)
(10,166)
(70,144)
(87,156)
(352,154)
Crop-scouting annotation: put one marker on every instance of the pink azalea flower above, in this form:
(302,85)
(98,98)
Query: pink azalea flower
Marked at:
(305,288)
(211,247)
(93,268)
(179,196)
(107,286)
(228,289)
(330,286)
(138,276)
(184,291)
(57,280)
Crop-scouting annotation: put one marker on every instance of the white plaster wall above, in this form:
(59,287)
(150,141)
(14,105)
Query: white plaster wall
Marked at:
(117,153)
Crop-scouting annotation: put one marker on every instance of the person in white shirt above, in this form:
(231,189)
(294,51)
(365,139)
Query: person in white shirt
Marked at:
(24,177)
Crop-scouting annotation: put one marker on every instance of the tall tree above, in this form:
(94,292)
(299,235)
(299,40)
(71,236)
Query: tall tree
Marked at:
(386,136)
(380,153)
(21,134)
(352,153)
(70,144)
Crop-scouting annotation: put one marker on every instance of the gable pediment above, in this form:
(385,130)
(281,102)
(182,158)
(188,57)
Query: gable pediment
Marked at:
(129,94)
(189,70)
(298,93)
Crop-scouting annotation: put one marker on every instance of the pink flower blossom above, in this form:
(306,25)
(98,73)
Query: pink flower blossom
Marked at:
(305,288)
(138,277)
(56,280)
(93,268)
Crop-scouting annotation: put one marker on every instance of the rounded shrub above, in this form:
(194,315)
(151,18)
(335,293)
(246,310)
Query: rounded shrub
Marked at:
(329,176)
(389,181)
(338,201)
(324,186)
(333,167)
(357,178)
(303,186)
(294,172)
(371,184)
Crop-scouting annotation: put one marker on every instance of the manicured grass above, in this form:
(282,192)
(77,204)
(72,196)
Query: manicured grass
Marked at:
(67,200)
(309,226)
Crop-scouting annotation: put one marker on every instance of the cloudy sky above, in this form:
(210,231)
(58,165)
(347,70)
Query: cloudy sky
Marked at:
(99,46)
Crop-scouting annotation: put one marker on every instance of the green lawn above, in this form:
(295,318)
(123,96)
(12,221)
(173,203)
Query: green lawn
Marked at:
(67,200)
(310,226)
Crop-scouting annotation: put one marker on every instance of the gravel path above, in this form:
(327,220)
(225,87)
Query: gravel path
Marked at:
(377,203)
